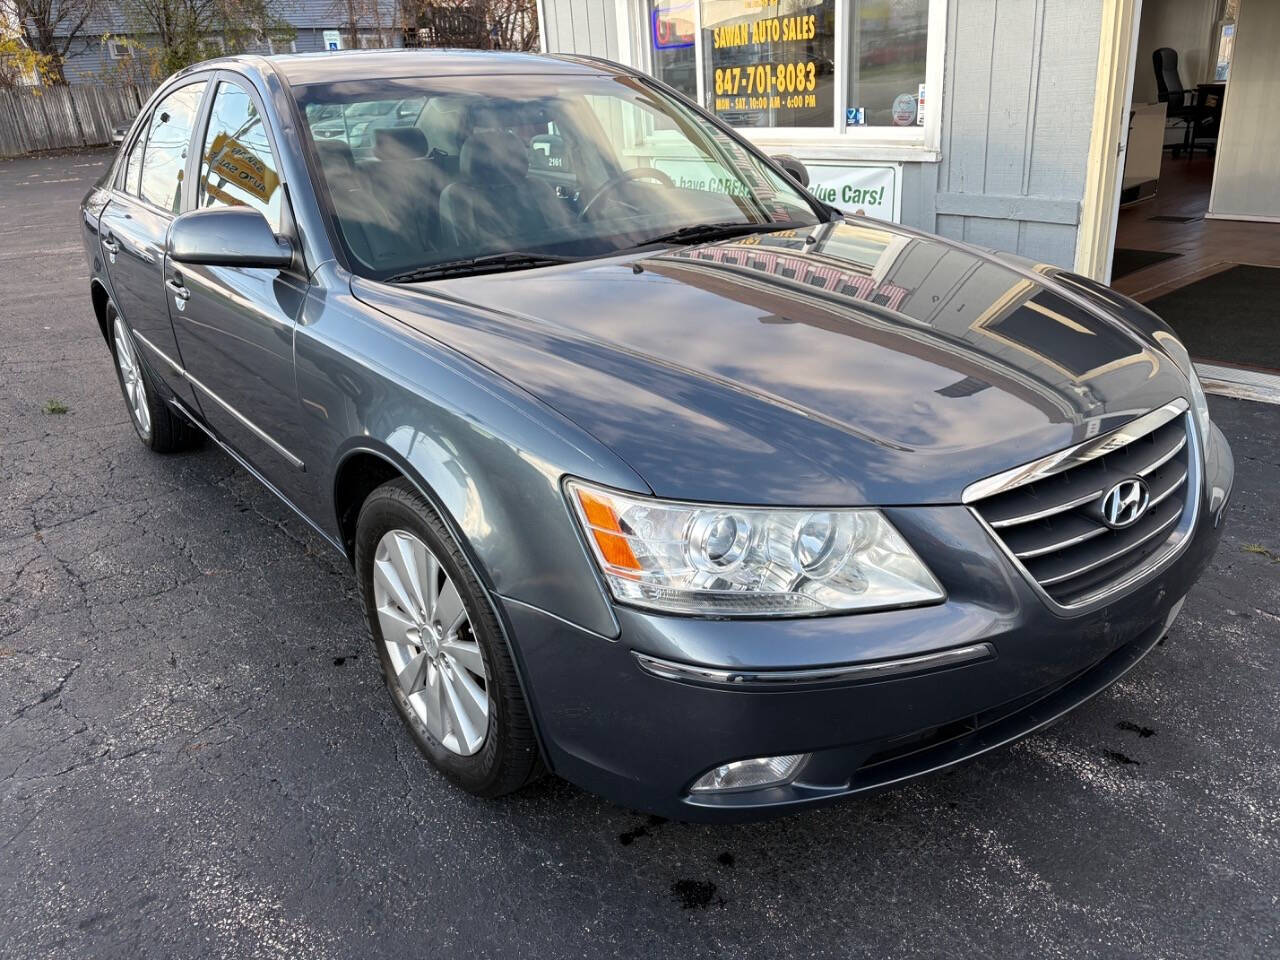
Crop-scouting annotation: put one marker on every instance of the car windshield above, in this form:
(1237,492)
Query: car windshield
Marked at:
(421,173)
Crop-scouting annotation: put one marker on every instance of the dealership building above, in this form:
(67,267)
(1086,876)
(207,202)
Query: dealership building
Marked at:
(1002,123)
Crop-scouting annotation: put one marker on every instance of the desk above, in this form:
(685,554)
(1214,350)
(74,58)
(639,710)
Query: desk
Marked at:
(1208,113)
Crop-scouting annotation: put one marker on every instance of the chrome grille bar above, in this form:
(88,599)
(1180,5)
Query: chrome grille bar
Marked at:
(1164,458)
(1074,456)
(1106,558)
(1048,511)
(1047,515)
(1062,544)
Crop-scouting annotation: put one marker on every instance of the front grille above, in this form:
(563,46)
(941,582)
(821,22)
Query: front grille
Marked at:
(1053,524)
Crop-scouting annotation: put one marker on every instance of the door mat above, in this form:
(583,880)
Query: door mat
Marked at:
(1128,260)
(1232,317)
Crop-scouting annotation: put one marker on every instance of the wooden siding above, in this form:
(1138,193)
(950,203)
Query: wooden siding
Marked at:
(1017,115)
(582,26)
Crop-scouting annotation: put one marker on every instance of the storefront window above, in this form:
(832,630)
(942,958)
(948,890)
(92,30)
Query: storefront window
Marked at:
(887,46)
(774,64)
(770,64)
(672,27)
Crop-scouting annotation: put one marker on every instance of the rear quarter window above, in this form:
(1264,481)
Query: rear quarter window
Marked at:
(133,166)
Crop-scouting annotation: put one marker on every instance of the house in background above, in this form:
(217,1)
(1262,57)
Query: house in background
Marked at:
(317,24)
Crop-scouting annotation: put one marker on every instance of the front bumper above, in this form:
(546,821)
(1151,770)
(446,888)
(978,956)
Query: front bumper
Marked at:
(639,739)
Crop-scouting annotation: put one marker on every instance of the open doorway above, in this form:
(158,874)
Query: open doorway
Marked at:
(1182,65)
(1197,235)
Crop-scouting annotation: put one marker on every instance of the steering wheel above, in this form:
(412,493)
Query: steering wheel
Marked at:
(613,183)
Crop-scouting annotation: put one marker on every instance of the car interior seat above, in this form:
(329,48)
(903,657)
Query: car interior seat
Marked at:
(408,184)
(367,227)
(494,195)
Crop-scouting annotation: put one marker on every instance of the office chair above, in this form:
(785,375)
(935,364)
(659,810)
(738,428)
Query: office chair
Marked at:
(1181,106)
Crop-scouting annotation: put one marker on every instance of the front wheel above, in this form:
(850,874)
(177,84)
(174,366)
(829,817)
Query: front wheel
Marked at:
(443,656)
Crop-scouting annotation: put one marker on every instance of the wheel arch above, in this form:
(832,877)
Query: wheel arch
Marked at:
(101,306)
(359,472)
(365,466)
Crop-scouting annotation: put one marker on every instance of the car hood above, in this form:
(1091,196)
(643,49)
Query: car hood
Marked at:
(851,363)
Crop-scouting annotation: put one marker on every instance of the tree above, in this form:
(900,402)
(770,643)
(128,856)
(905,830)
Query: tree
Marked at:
(513,24)
(20,65)
(54,29)
(134,63)
(187,31)
(487,24)
(354,15)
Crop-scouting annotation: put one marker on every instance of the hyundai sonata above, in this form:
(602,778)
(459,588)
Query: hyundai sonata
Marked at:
(654,470)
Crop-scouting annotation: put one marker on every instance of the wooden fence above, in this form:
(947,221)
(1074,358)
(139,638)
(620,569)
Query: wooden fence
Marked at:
(50,118)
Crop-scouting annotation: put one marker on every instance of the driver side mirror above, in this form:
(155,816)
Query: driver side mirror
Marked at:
(228,237)
(794,168)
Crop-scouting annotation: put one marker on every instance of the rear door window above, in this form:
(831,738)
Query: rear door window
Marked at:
(168,138)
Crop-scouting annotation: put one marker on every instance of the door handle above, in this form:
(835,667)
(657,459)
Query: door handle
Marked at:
(109,245)
(180,293)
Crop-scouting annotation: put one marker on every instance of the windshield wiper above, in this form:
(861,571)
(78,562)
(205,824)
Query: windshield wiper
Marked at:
(492,263)
(704,232)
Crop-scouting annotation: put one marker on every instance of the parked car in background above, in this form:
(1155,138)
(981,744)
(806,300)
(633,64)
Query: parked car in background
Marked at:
(653,470)
(357,124)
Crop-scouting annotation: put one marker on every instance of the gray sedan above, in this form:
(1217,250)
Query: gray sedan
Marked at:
(655,472)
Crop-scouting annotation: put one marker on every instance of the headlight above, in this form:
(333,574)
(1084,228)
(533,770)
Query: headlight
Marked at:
(1173,346)
(748,561)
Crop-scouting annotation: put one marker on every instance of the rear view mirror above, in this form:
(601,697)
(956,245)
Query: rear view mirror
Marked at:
(794,168)
(228,237)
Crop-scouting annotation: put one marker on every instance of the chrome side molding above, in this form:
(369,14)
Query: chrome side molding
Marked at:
(240,418)
(1074,456)
(841,673)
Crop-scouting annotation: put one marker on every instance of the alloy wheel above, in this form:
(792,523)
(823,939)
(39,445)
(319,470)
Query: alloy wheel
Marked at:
(430,642)
(135,390)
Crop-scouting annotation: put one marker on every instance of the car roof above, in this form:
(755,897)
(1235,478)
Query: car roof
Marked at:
(333,66)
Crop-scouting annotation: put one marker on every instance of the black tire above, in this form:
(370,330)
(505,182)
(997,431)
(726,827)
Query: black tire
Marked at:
(508,758)
(166,431)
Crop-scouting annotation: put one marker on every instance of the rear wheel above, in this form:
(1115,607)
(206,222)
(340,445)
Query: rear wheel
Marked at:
(158,425)
(443,656)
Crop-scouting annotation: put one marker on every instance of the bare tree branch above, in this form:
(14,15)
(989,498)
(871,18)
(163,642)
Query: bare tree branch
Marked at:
(54,27)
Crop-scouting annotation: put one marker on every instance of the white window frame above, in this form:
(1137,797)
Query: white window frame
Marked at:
(272,43)
(836,142)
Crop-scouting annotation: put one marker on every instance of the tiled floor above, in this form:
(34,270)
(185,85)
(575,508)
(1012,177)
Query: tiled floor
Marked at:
(1207,246)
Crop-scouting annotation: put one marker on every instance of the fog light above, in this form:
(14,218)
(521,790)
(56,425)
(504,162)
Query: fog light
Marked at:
(749,774)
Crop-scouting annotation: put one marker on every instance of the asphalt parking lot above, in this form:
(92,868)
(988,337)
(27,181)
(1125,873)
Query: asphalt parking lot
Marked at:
(198,757)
